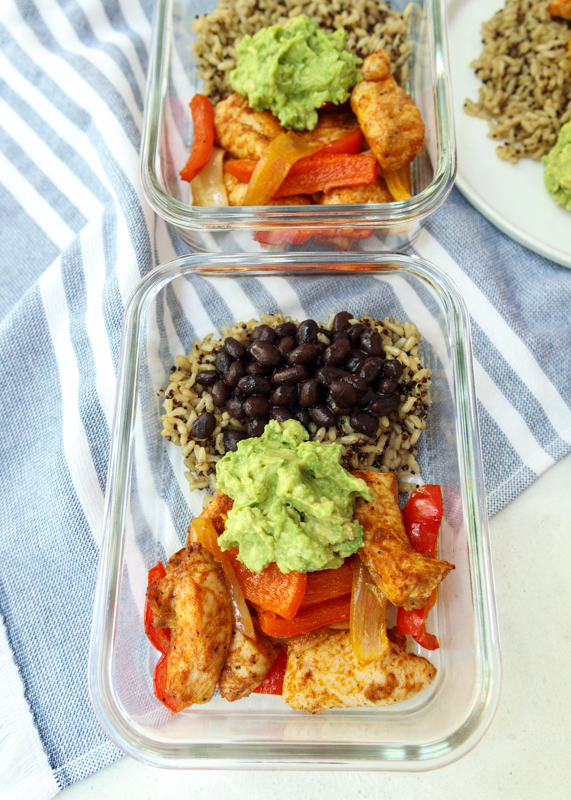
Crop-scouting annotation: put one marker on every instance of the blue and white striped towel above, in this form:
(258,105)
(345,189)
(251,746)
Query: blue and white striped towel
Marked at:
(76,238)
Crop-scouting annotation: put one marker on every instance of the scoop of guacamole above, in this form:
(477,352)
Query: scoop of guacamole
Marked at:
(294,69)
(558,168)
(293,501)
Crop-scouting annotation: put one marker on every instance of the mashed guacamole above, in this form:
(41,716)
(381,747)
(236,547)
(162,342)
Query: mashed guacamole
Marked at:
(558,168)
(294,69)
(293,501)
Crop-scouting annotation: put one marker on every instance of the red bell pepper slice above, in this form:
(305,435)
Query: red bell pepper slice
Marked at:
(274,680)
(203,121)
(422,516)
(158,637)
(270,589)
(326,172)
(159,686)
(282,237)
(310,619)
(351,143)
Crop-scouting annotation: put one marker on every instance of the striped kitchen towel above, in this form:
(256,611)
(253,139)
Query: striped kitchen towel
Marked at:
(76,238)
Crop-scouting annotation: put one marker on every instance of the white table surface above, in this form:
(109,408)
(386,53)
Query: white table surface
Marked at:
(526,752)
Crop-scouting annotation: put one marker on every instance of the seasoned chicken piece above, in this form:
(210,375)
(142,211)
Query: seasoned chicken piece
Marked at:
(247,665)
(241,131)
(328,675)
(560,8)
(367,193)
(176,559)
(193,601)
(331,125)
(389,119)
(406,577)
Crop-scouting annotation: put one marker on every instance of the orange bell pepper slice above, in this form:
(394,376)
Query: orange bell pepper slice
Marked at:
(270,589)
(327,584)
(203,121)
(306,620)
(277,160)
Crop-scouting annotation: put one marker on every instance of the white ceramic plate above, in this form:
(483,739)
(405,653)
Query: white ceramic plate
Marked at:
(511,196)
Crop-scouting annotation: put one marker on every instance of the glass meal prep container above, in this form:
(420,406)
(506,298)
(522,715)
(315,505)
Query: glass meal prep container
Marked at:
(149,506)
(167,141)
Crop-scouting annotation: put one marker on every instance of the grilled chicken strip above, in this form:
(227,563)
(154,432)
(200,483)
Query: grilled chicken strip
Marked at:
(241,131)
(367,193)
(331,126)
(389,119)
(560,8)
(192,600)
(328,675)
(247,665)
(406,577)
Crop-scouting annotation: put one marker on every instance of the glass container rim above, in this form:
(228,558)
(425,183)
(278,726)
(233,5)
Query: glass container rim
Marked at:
(131,738)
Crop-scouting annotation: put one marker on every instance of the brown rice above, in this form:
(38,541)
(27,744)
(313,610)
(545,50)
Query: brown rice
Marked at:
(393,448)
(370,25)
(525,69)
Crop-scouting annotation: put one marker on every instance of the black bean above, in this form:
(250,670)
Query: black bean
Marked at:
(284,395)
(341,321)
(254,384)
(322,415)
(371,342)
(354,333)
(304,354)
(371,368)
(326,375)
(307,331)
(223,361)
(357,383)
(387,385)
(340,410)
(207,377)
(254,368)
(364,423)
(255,427)
(263,333)
(234,348)
(257,405)
(355,360)
(302,415)
(290,375)
(234,373)
(367,398)
(286,329)
(384,404)
(280,414)
(266,354)
(337,353)
(235,407)
(220,393)
(204,426)
(343,394)
(232,437)
(393,369)
(286,345)
(308,393)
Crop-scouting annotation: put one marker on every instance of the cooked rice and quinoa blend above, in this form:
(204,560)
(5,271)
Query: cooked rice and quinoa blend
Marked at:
(392,449)
(370,25)
(525,67)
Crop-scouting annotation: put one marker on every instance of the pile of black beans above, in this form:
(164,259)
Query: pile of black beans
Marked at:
(286,372)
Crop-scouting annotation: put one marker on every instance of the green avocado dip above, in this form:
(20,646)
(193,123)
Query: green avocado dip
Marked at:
(293,501)
(558,168)
(294,69)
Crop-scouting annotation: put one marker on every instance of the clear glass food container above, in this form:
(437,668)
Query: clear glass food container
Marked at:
(167,141)
(149,506)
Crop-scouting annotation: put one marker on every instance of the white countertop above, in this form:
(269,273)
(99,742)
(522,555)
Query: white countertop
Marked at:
(525,754)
